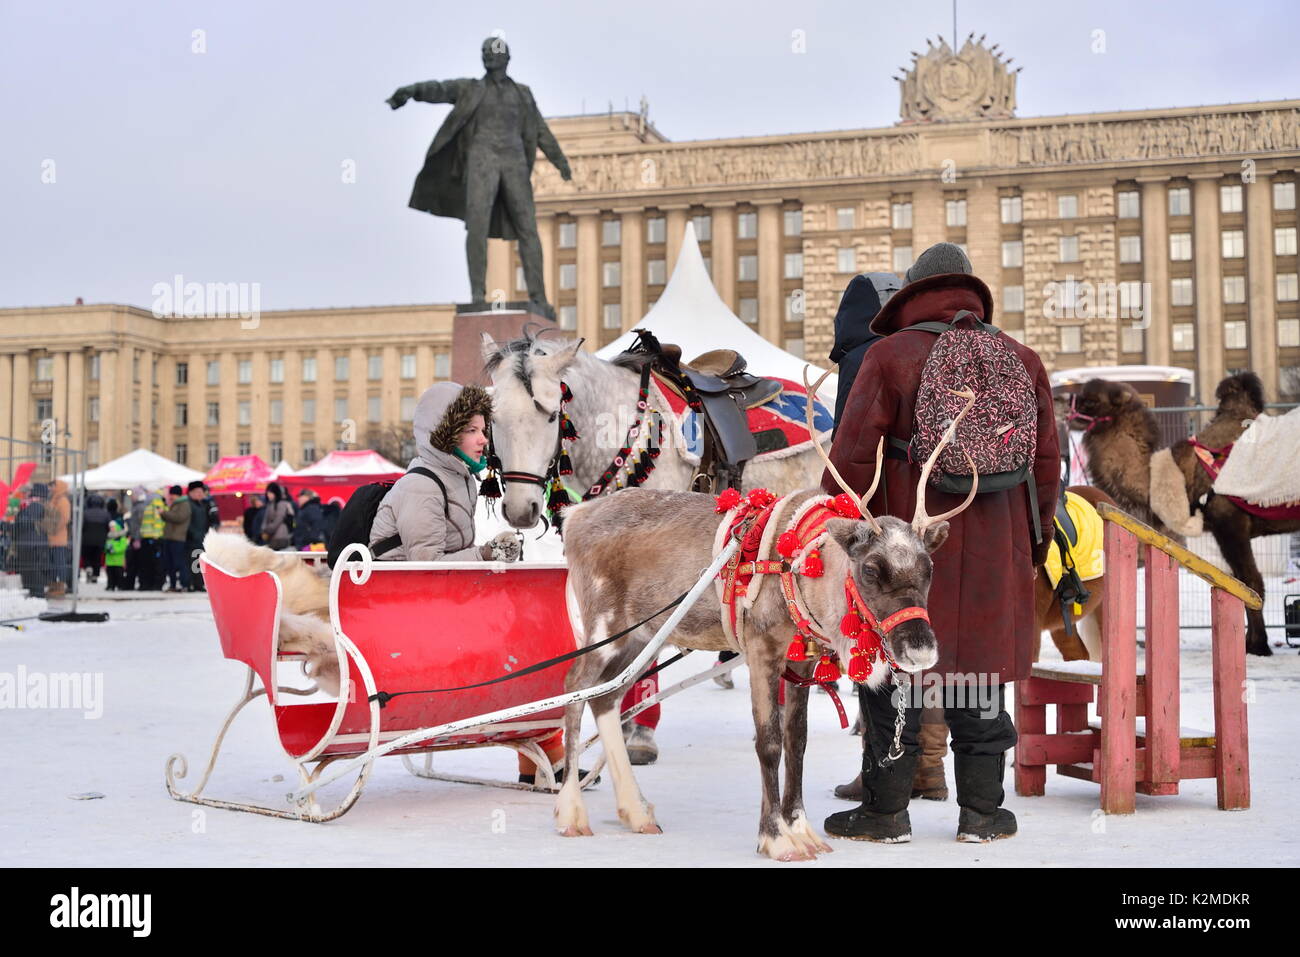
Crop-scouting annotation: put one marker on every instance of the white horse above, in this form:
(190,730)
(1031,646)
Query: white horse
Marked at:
(527,417)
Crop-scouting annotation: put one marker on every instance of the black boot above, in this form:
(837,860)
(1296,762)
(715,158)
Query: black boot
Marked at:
(980,796)
(882,816)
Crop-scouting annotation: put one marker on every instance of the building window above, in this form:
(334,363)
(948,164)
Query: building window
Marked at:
(309,369)
(1130,206)
(612,316)
(1229,199)
(308,411)
(408,365)
(703,227)
(92,409)
(568,235)
(182,371)
(1180,247)
(1013,255)
(793,266)
(568,276)
(1069,249)
(792,222)
(214,453)
(1234,289)
(1184,334)
(1180,292)
(245,371)
(521,284)
(1180,201)
(309,452)
(844,259)
(182,453)
(1234,244)
(1288,333)
(748,268)
(442,365)
(794,347)
(135,411)
(749,310)
(1286,287)
(182,414)
(1067,206)
(94,368)
(277,370)
(374,409)
(340,409)
(844,217)
(135,367)
(610,275)
(1234,334)
(245,448)
(341,368)
(746,225)
(955,212)
(1284,241)
(44,409)
(1013,209)
(611,233)
(408,408)
(1284,195)
(901,259)
(214,413)
(375,368)
(656,230)
(568,317)
(901,215)
(1130,249)
(277,452)
(45,369)
(1071,338)
(1130,338)
(214,372)
(794,306)
(1013,298)
(1130,299)
(245,410)
(275,411)
(656,271)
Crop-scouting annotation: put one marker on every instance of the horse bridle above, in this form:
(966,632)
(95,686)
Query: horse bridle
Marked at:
(1074,415)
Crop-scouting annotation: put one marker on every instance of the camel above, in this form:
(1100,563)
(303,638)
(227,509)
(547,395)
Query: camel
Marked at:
(1124,461)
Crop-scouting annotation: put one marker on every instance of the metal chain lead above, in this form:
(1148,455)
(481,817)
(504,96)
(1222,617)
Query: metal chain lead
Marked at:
(904,687)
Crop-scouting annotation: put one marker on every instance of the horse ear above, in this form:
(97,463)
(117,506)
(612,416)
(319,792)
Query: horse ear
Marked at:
(554,364)
(488,346)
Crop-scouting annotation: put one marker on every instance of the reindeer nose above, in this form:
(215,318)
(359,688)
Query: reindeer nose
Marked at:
(914,646)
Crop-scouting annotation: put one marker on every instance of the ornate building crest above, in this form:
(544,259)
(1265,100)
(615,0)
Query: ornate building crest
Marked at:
(942,86)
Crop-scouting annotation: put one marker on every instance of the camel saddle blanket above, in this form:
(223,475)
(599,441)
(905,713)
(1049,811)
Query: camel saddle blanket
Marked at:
(778,425)
(1086,552)
(1262,469)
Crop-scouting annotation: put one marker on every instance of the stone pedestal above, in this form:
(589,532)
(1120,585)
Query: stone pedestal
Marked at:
(502,323)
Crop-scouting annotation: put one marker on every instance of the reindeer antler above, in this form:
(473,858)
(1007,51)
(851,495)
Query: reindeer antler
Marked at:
(920,520)
(860,501)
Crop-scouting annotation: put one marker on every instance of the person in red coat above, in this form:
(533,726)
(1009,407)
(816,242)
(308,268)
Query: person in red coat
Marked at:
(981,600)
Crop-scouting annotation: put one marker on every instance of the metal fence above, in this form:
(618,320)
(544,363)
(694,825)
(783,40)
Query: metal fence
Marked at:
(40,528)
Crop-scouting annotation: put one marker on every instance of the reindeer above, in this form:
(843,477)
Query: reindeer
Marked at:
(627,550)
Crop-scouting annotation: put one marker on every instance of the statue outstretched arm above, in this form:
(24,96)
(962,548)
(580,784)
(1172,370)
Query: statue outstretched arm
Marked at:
(430,91)
(550,147)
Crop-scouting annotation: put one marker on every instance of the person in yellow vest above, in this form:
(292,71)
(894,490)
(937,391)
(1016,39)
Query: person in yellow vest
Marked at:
(152,526)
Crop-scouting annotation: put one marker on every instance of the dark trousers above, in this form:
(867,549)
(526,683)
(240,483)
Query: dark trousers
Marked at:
(92,559)
(972,732)
(116,577)
(195,569)
(176,564)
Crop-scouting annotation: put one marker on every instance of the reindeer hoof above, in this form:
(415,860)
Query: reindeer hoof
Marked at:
(574,830)
(650,827)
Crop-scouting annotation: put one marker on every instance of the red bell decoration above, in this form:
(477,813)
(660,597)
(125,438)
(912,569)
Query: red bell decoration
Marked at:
(787,544)
(859,666)
(812,565)
(845,506)
(826,671)
(761,498)
(728,500)
(796,651)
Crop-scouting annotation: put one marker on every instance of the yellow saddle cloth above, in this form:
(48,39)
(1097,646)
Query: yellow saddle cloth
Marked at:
(1087,553)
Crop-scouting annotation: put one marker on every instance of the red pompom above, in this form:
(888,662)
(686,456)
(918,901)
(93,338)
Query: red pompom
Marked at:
(812,565)
(795,652)
(845,506)
(787,544)
(727,500)
(859,666)
(761,498)
(826,671)
(849,625)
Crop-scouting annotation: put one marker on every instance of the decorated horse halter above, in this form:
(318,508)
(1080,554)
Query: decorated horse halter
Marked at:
(630,468)
(1074,415)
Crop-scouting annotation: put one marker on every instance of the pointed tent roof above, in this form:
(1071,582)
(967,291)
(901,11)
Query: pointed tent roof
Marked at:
(351,462)
(140,467)
(284,468)
(691,314)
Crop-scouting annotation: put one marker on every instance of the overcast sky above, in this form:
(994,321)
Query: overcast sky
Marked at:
(226,165)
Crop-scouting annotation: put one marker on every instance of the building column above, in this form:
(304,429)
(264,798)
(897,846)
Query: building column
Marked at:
(1206,245)
(197,402)
(76,410)
(291,430)
(550,268)
(358,383)
(1261,289)
(1155,266)
(228,417)
(165,445)
(260,400)
(7,399)
(632,256)
(60,395)
(589,275)
(724,252)
(21,425)
(110,413)
(984,237)
(771,310)
(324,429)
(674,231)
(928,220)
(390,390)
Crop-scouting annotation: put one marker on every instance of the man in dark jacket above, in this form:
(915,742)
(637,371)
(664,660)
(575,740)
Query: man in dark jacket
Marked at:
(94,536)
(862,299)
(309,522)
(202,517)
(981,601)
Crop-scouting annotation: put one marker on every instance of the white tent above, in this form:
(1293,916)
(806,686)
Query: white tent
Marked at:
(140,467)
(691,314)
(284,468)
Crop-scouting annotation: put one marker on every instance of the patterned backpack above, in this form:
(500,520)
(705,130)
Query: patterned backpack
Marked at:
(1000,433)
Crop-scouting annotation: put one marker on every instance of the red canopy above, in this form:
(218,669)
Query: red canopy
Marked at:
(234,477)
(340,473)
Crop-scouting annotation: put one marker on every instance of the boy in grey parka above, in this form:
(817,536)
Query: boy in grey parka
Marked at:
(450,426)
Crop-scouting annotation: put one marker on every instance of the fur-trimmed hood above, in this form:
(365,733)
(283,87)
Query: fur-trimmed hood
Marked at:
(443,412)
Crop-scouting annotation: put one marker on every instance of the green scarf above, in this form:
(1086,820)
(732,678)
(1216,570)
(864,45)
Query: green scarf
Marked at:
(475,465)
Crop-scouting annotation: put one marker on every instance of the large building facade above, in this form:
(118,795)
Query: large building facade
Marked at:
(1161,237)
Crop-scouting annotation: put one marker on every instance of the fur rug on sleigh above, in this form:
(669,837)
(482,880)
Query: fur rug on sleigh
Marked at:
(305,605)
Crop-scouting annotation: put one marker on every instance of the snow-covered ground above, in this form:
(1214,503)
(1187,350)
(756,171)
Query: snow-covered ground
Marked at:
(166,688)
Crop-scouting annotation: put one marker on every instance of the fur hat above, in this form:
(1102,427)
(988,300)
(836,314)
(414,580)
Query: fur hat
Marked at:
(469,402)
